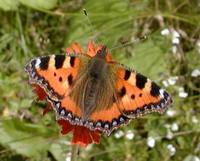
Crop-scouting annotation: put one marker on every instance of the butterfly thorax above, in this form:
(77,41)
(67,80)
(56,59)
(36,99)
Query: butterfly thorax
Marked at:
(98,69)
(94,89)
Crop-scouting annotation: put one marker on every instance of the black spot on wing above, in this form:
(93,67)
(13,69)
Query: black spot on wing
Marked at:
(122,92)
(127,75)
(140,81)
(72,61)
(133,96)
(70,79)
(44,63)
(155,89)
(59,60)
(60,79)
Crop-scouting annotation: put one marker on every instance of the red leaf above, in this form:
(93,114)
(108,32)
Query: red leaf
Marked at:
(41,94)
(81,135)
(66,126)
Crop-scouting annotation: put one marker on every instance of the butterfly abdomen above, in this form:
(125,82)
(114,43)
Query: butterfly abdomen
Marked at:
(90,96)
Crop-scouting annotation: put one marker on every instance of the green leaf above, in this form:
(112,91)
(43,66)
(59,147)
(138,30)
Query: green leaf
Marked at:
(8,5)
(27,139)
(40,4)
(57,150)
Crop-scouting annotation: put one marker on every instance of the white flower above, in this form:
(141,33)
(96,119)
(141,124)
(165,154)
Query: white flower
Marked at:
(182,93)
(175,40)
(195,73)
(174,127)
(198,43)
(130,135)
(151,142)
(195,120)
(198,46)
(165,32)
(68,157)
(174,49)
(195,158)
(119,134)
(175,34)
(172,149)
(171,112)
(172,80)
(169,135)
(165,83)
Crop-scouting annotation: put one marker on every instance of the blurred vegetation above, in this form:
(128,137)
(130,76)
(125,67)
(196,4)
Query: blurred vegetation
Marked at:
(160,39)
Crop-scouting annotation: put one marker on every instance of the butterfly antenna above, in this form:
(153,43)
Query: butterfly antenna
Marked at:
(135,41)
(91,25)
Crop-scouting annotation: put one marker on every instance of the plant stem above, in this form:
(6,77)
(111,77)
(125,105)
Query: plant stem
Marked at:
(74,153)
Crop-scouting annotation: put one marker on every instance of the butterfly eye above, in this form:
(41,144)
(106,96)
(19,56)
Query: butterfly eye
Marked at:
(102,52)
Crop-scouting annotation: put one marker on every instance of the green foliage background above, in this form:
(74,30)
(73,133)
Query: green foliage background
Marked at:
(132,30)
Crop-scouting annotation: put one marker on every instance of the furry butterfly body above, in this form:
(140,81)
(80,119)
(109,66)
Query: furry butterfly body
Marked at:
(94,87)
(94,91)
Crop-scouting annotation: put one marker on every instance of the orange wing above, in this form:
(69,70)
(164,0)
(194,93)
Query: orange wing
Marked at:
(139,95)
(55,73)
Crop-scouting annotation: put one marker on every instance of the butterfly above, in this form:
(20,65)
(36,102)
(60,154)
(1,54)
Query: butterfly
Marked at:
(93,91)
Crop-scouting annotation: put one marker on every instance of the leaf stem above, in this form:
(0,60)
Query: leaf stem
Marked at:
(74,153)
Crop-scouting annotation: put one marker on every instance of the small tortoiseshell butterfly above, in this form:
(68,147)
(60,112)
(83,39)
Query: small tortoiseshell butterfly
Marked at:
(94,91)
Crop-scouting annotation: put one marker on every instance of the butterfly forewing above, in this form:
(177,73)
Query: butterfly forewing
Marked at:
(139,95)
(54,73)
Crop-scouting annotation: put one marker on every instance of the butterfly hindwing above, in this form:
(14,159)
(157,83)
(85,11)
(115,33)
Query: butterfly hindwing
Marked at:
(105,120)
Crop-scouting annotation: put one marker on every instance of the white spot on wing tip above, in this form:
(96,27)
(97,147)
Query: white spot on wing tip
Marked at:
(162,93)
(63,112)
(37,64)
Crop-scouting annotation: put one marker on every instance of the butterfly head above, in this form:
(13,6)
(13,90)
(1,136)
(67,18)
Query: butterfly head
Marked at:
(102,53)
